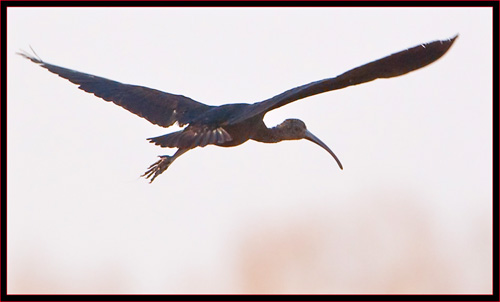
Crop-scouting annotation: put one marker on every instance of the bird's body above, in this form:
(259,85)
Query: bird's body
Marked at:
(233,124)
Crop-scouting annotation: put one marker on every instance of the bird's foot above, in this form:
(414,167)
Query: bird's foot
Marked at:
(158,167)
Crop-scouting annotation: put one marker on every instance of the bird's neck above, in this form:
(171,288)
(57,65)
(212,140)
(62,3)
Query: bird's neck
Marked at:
(269,135)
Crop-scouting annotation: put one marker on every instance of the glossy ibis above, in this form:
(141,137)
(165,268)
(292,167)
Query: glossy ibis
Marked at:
(233,124)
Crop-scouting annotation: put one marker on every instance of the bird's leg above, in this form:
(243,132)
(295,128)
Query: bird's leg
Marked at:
(162,164)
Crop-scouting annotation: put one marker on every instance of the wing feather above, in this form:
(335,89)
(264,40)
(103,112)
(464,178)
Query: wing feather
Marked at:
(393,65)
(158,107)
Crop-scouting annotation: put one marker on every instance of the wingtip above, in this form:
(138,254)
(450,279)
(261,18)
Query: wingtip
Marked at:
(32,57)
(448,41)
(452,40)
(438,48)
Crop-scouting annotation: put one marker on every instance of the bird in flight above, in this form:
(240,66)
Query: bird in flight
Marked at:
(233,124)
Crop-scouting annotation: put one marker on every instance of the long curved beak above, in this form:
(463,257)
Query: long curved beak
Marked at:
(311,137)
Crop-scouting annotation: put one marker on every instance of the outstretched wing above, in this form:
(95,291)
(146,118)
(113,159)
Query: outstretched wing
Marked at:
(160,108)
(391,66)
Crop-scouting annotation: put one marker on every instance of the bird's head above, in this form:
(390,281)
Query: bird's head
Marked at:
(293,129)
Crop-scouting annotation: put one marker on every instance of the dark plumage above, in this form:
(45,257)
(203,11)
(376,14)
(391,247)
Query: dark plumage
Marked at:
(233,124)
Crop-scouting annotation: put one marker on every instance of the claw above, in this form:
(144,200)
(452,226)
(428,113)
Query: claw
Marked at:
(158,167)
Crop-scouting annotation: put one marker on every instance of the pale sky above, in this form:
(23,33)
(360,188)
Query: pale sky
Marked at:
(410,212)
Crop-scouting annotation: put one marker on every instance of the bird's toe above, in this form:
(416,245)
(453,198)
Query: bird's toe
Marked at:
(158,167)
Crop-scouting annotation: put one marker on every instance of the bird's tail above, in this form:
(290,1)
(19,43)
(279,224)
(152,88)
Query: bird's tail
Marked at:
(189,138)
(170,140)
